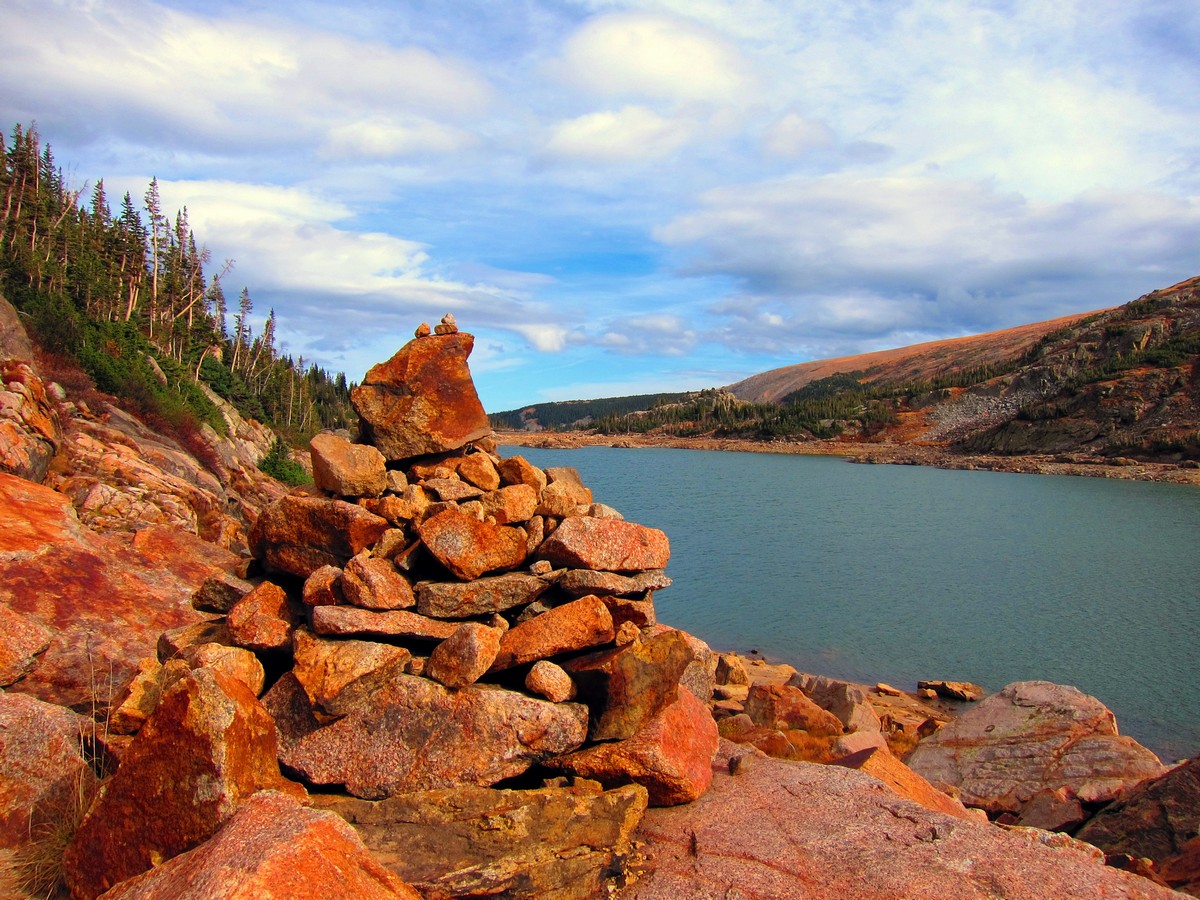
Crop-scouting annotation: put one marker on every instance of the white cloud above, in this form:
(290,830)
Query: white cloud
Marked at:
(872,256)
(390,138)
(545,337)
(628,134)
(633,54)
(208,82)
(656,334)
(792,136)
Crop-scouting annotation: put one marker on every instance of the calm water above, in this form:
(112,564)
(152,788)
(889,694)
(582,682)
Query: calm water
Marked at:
(895,573)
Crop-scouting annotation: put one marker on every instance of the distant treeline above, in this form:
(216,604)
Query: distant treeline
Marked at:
(126,296)
(566,414)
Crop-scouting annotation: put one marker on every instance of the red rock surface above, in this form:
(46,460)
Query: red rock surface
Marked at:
(1031,736)
(414,734)
(346,469)
(208,746)
(518,470)
(263,620)
(798,831)
(583,542)
(465,656)
(422,400)
(577,625)
(42,768)
(21,640)
(670,756)
(470,548)
(272,848)
(880,763)
(299,535)
(59,576)
(1154,819)
(627,686)
(514,503)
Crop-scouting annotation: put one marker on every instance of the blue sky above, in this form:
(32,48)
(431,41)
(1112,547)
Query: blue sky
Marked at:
(631,197)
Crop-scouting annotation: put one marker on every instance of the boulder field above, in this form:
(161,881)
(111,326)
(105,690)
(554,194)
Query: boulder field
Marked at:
(439,673)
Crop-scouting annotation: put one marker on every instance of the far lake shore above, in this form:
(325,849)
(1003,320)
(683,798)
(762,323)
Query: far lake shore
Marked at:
(882,453)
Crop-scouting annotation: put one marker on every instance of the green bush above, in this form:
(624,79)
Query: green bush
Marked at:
(280,465)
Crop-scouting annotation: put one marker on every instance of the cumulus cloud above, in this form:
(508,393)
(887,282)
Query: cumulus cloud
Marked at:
(624,135)
(207,82)
(384,138)
(634,54)
(872,257)
(656,334)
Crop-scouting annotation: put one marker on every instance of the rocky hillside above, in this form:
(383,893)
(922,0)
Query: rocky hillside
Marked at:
(918,363)
(439,673)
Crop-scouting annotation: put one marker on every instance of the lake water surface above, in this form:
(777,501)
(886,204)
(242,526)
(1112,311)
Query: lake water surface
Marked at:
(896,573)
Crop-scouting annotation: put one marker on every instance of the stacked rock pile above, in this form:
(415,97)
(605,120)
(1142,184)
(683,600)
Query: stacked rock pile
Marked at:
(463,617)
(432,621)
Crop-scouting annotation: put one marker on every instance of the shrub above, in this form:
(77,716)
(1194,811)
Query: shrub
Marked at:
(279,464)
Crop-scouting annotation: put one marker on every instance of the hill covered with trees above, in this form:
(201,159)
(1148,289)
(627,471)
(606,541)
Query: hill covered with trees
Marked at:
(127,296)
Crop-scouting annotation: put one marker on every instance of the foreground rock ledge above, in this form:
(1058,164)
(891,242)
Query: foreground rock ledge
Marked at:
(792,831)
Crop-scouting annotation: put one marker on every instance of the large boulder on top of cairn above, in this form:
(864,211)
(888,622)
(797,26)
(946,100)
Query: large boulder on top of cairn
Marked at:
(1029,737)
(422,400)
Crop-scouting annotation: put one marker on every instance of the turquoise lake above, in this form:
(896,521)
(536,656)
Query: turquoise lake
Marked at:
(898,573)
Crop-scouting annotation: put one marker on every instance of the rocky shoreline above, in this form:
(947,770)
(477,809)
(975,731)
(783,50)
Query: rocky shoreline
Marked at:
(875,453)
(439,672)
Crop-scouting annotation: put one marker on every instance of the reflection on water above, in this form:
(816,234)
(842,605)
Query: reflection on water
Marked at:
(897,573)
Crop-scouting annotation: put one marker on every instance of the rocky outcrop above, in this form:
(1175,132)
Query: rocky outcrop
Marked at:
(208,745)
(102,601)
(272,848)
(563,842)
(1029,737)
(784,830)
(1158,819)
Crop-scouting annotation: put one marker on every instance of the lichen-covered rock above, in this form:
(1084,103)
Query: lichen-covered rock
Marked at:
(374,583)
(465,656)
(845,700)
(350,621)
(298,535)
(208,746)
(325,667)
(577,625)
(422,400)
(346,469)
(610,545)
(627,686)
(414,734)
(1030,736)
(470,548)
(551,681)
(518,470)
(31,430)
(511,504)
(671,755)
(580,582)
(43,772)
(458,600)
(880,763)
(784,706)
(272,848)
(565,843)
(263,620)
